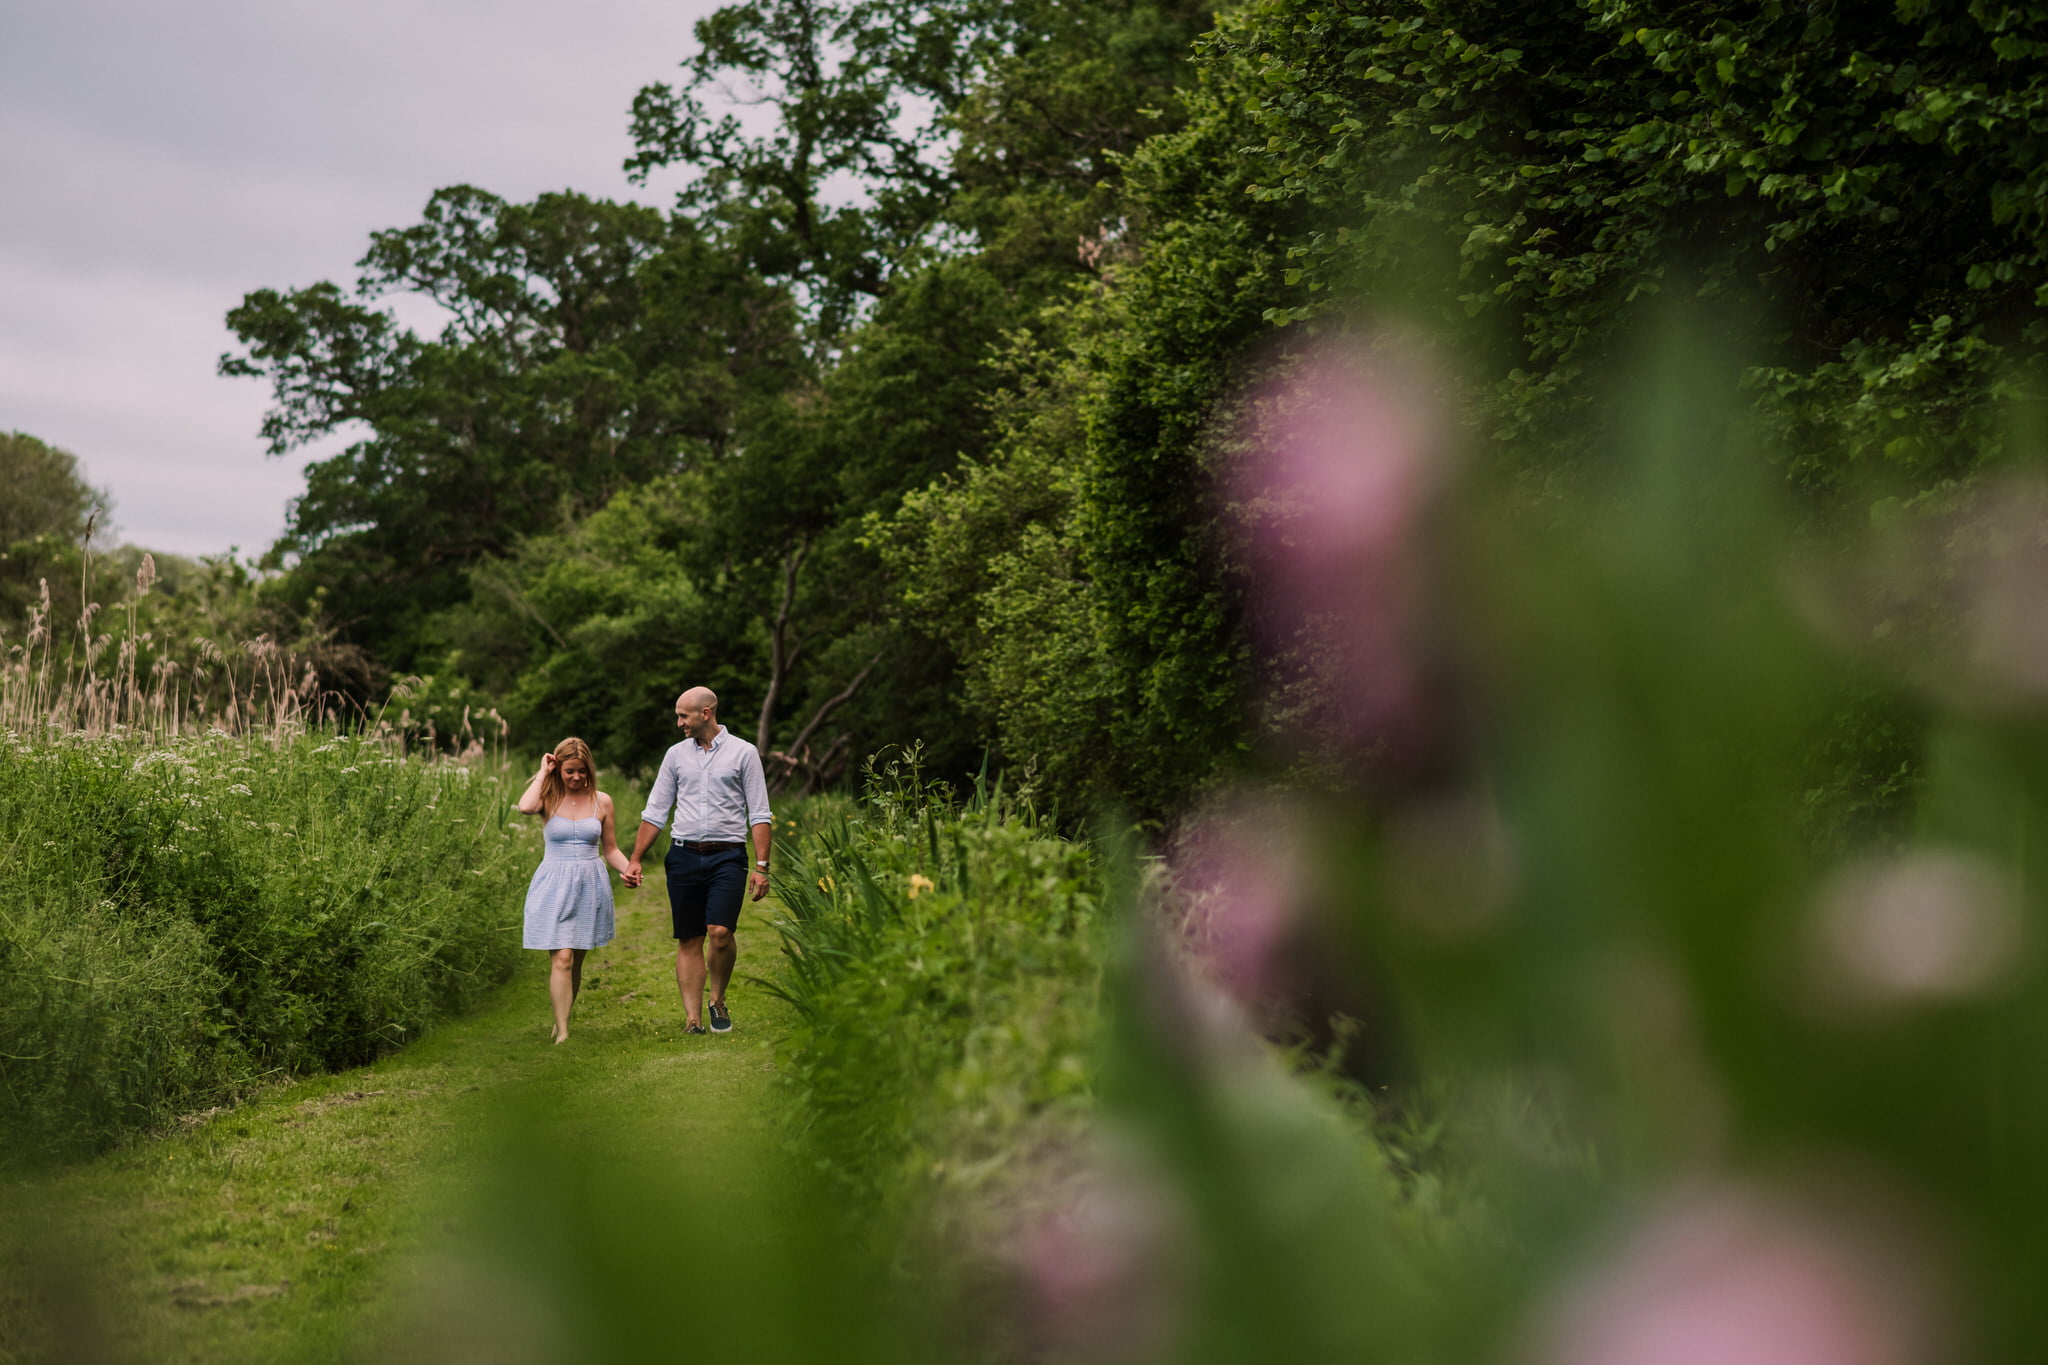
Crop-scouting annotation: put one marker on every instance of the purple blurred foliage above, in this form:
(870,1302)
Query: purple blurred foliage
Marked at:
(1730,1274)
(1339,457)
(1237,892)
(1928,925)
(1097,1266)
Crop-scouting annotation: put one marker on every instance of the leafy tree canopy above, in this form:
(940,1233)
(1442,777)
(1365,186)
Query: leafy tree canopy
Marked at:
(589,346)
(46,493)
(850,87)
(1863,183)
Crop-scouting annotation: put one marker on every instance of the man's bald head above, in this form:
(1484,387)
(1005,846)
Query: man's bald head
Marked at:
(697,714)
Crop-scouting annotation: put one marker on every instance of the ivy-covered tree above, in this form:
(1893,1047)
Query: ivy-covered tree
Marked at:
(967,226)
(1853,193)
(1860,186)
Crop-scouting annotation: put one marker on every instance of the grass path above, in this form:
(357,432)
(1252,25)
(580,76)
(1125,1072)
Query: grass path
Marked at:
(339,1218)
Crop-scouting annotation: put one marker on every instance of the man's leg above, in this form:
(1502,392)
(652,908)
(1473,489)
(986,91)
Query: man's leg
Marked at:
(690,978)
(722,950)
(723,899)
(686,911)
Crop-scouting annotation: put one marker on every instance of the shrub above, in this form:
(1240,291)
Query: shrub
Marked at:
(944,964)
(182,918)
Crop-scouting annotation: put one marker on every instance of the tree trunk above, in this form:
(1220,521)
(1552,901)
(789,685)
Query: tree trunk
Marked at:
(797,759)
(779,658)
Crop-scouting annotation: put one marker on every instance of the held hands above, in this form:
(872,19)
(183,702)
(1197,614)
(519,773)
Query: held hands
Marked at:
(631,876)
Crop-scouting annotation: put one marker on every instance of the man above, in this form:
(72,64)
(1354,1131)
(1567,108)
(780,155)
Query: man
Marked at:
(713,796)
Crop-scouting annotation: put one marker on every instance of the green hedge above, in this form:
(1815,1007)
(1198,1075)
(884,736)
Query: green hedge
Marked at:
(945,964)
(178,921)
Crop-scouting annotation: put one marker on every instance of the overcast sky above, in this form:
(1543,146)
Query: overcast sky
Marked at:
(159,161)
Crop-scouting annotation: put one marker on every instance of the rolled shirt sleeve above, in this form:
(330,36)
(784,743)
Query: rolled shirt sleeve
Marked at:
(755,784)
(662,799)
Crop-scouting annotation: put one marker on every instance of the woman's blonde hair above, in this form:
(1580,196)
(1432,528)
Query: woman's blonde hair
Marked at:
(552,788)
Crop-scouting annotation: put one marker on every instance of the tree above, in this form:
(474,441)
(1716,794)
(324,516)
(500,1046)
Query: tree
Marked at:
(44,521)
(590,346)
(47,495)
(1862,186)
(959,229)
(1073,569)
(842,80)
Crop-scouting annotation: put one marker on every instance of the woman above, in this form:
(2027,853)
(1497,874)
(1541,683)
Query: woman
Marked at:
(569,903)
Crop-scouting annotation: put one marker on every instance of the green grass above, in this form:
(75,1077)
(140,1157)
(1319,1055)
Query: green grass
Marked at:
(908,1101)
(326,1220)
(945,971)
(182,918)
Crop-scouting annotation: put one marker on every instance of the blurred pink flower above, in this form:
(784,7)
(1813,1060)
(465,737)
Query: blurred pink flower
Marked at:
(1238,891)
(1096,1269)
(1340,456)
(1731,1276)
(1952,593)
(1929,924)
(2009,595)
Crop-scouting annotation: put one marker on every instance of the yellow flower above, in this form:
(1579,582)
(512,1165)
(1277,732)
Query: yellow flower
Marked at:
(826,884)
(919,885)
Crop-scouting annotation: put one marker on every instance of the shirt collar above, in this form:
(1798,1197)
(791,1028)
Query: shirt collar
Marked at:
(716,740)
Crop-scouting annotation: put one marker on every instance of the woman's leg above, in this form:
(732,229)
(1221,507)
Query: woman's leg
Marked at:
(565,978)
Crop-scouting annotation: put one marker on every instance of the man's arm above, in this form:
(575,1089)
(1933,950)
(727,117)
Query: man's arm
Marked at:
(760,819)
(659,802)
(764,835)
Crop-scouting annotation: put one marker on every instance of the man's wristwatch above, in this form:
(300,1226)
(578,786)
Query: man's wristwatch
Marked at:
(761,863)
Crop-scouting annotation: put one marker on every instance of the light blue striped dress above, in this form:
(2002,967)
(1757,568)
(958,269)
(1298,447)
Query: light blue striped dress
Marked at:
(569,902)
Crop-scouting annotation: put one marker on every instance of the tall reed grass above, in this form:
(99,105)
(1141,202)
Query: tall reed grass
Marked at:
(216,874)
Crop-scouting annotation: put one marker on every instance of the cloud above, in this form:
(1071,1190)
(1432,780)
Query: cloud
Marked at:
(160,161)
(116,365)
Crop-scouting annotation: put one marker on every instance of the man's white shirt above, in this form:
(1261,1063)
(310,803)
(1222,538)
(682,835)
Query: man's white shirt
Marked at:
(715,794)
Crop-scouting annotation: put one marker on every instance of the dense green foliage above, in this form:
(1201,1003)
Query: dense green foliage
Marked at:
(1007,1084)
(942,354)
(589,346)
(42,523)
(47,496)
(944,965)
(179,922)
(1854,195)
(1858,187)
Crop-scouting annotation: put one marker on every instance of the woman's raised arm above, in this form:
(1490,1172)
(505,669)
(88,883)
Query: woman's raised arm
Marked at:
(529,800)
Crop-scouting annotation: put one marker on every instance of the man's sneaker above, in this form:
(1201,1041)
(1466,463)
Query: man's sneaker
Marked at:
(721,1022)
(693,1028)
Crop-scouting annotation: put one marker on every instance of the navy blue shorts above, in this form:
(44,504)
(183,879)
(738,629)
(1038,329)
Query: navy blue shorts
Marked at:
(705,888)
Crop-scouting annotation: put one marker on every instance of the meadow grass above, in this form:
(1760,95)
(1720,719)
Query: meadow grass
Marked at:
(186,917)
(371,1213)
(912,1087)
(944,965)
